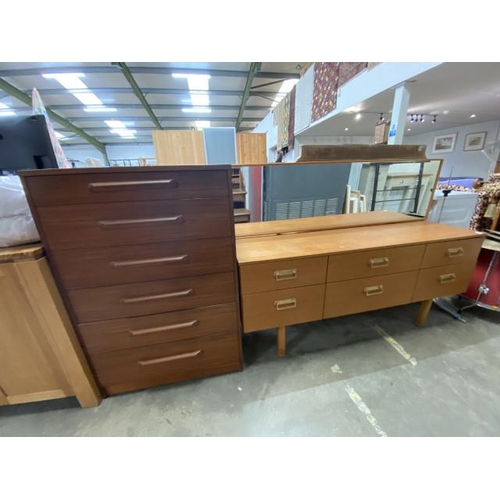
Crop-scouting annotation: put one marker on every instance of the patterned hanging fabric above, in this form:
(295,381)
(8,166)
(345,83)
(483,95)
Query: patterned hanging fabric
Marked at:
(39,109)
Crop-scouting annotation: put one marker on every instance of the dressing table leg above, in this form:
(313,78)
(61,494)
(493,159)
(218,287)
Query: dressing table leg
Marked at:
(281,341)
(423,312)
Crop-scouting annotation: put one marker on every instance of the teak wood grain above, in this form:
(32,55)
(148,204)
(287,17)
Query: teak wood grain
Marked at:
(134,369)
(282,307)
(443,281)
(129,333)
(285,274)
(91,187)
(366,294)
(145,259)
(113,224)
(103,266)
(374,262)
(323,223)
(356,239)
(451,252)
(152,297)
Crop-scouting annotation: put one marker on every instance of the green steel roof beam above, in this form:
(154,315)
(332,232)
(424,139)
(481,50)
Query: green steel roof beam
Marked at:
(254,69)
(23,97)
(138,92)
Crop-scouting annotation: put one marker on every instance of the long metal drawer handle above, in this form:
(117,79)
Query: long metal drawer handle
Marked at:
(373,290)
(165,328)
(285,274)
(123,222)
(447,278)
(285,304)
(145,298)
(455,252)
(160,260)
(102,186)
(381,262)
(166,359)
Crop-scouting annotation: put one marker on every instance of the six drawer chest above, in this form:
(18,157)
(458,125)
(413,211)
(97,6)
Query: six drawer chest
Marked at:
(145,261)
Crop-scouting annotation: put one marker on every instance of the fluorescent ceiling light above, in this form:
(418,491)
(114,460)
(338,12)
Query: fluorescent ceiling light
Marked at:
(202,124)
(286,86)
(473,116)
(88,98)
(3,106)
(199,99)
(123,132)
(58,134)
(98,109)
(358,116)
(196,110)
(68,80)
(115,124)
(186,75)
(198,82)
(7,113)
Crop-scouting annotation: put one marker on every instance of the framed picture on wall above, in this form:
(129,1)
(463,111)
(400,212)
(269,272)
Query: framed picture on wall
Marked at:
(444,143)
(475,142)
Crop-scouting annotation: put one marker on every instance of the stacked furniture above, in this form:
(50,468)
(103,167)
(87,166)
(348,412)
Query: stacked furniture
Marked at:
(322,267)
(145,261)
(40,356)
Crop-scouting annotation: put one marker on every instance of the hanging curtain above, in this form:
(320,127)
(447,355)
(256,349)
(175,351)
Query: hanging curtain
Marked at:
(39,109)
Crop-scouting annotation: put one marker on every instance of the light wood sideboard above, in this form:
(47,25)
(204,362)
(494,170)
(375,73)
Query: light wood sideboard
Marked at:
(295,272)
(40,357)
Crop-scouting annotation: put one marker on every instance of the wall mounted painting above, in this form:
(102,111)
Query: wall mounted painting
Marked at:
(475,142)
(444,143)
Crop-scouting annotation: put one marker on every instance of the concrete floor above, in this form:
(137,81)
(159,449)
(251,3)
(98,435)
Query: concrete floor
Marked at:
(371,374)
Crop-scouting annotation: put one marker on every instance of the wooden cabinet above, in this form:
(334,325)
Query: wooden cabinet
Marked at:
(309,269)
(40,357)
(145,258)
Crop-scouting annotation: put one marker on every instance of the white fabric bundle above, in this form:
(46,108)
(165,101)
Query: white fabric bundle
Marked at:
(16,222)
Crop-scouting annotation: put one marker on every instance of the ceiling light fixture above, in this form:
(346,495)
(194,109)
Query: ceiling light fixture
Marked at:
(3,106)
(347,128)
(196,110)
(187,75)
(7,113)
(472,116)
(68,80)
(98,109)
(358,116)
(408,129)
(88,98)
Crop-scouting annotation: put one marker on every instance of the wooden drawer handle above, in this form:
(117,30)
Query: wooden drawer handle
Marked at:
(177,219)
(447,278)
(455,252)
(373,290)
(166,359)
(116,186)
(165,328)
(160,260)
(381,262)
(285,304)
(285,274)
(145,298)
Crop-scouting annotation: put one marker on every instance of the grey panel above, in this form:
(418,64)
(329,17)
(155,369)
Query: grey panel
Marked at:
(220,145)
(292,192)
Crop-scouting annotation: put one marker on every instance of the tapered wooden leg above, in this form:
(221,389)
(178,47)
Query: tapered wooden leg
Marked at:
(423,312)
(282,341)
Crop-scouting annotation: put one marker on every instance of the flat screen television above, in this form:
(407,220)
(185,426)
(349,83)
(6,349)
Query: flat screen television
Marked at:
(25,144)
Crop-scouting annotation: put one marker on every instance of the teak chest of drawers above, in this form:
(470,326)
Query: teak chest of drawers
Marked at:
(310,269)
(145,261)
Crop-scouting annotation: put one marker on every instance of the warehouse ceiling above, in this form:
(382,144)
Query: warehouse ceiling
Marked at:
(117,103)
